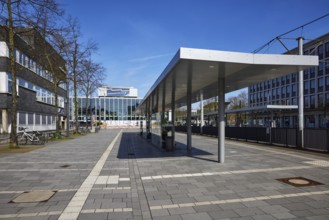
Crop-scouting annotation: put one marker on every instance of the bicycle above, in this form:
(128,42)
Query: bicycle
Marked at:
(35,138)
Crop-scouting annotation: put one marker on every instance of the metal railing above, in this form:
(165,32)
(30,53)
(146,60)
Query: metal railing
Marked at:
(314,139)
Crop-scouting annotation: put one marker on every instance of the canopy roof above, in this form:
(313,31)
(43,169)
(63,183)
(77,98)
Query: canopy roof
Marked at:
(239,70)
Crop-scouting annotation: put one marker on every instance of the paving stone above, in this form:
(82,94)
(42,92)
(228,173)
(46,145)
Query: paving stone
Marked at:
(232,190)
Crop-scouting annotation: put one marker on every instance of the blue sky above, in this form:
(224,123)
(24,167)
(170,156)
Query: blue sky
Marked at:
(138,38)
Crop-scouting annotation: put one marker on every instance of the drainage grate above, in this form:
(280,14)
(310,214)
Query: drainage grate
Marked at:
(65,166)
(34,196)
(299,181)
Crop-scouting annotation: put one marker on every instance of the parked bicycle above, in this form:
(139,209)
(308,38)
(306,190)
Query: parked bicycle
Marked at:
(35,137)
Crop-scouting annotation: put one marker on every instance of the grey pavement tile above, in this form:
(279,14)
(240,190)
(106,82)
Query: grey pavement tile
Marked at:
(196,216)
(283,215)
(150,160)
(223,214)
(93,216)
(159,212)
(171,217)
(249,211)
(323,217)
(263,217)
(206,208)
(180,211)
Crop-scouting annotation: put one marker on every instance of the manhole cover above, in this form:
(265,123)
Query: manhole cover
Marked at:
(299,181)
(65,166)
(34,196)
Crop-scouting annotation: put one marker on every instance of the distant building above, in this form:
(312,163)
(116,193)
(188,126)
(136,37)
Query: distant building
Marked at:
(284,91)
(114,106)
(36,102)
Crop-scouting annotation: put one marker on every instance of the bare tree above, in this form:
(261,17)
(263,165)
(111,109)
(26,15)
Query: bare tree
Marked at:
(239,101)
(26,14)
(75,53)
(91,78)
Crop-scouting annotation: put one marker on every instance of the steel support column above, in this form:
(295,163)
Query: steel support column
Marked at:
(163,110)
(188,110)
(301,96)
(201,113)
(173,115)
(221,119)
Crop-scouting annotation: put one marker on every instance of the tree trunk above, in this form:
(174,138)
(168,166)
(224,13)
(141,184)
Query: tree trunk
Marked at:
(13,134)
(87,111)
(75,88)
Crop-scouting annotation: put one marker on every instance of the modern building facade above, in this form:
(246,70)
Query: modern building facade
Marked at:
(114,106)
(284,91)
(35,82)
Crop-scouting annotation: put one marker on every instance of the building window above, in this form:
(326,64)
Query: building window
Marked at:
(10,83)
(320,52)
(288,91)
(320,100)
(306,87)
(320,84)
(22,118)
(306,102)
(312,86)
(327,83)
(312,72)
(294,90)
(312,101)
(294,77)
(294,101)
(306,71)
(288,79)
(283,92)
(320,69)
(327,49)
(327,100)
(30,119)
(283,80)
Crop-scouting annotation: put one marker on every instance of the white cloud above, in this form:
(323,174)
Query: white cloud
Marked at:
(144,59)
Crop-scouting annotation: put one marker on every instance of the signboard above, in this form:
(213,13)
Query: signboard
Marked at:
(117,92)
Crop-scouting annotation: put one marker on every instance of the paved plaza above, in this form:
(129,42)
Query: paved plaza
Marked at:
(116,174)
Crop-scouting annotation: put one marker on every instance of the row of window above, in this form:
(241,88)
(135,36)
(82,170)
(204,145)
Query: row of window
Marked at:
(108,108)
(292,78)
(42,95)
(29,63)
(320,100)
(322,51)
(31,119)
(322,84)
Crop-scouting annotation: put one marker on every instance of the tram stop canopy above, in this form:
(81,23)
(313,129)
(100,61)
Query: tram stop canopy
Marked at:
(195,74)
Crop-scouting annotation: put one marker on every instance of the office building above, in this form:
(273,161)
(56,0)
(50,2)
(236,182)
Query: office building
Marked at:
(284,91)
(35,83)
(114,106)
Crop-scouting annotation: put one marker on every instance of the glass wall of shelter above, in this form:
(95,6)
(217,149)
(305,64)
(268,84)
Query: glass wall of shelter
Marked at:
(106,111)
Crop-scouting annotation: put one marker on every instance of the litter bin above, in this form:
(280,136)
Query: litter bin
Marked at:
(169,146)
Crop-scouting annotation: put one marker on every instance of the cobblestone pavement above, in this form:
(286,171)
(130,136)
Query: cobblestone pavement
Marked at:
(116,174)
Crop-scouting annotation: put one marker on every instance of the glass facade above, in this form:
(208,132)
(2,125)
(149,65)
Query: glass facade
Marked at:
(106,110)
(284,90)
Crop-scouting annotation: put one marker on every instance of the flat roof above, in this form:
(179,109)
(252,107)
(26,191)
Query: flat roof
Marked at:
(239,70)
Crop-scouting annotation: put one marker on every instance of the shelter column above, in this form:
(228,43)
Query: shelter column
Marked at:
(301,97)
(163,110)
(188,110)
(201,113)
(173,115)
(221,119)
